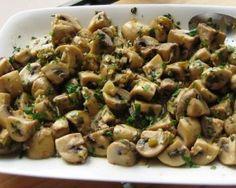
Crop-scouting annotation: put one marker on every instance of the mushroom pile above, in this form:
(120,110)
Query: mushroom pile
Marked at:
(123,93)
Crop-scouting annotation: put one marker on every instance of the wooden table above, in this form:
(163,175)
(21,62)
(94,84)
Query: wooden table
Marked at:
(12,181)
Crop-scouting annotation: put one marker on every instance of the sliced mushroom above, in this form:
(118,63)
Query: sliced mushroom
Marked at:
(41,145)
(21,129)
(187,42)
(7,145)
(206,94)
(220,55)
(72,148)
(174,100)
(11,83)
(223,109)
(99,21)
(66,102)
(146,46)
(29,74)
(116,98)
(176,71)
(211,127)
(144,89)
(196,69)
(102,43)
(173,154)
(152,143)
(133,29)
(22,57)
(165,123)
(97,142)
(169,52)
(5,66)
(123,131)
(42,86)
(23,101)
(4,114)
(64,28)
(202,54)
(203,152)
(148,107)
(71,55)
(161,26)
(82,43)
(166,88)
(124,78)
(210,36)
(189,129)
(192,104)
(102,119)
(60,127)
(154,68)
(216,78)
(91,101)
(227,150)
(122,153)
(45,108)
(135,60)
(89,78)
(230,125)
(80,119)
(56,72)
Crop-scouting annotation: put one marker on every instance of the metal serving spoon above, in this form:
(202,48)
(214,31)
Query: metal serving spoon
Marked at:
(223,22)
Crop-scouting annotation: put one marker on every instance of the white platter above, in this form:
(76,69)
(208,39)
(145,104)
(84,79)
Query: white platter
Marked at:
(37,23)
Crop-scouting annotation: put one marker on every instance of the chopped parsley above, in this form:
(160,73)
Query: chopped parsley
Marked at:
(189,162)
(16,49)
(213,167)
(29,110)
(193,32)
(152,33)
(72,88)
(140,120)
(101,36)
(108,133)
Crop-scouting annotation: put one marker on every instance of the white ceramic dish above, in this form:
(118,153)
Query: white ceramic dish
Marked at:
(36,23)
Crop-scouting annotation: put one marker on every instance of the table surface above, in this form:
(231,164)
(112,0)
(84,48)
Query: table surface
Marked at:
(10,7)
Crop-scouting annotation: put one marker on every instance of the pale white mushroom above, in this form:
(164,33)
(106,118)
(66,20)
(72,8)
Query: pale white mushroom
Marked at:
(41,145)
(133,29)
(5,66)
(174,153)
(154,68)
(203,153)
(88,78)
(230,125)
(123,131)
(80,119)
(122,153)
(21,129)
(99,21)
(23,56)
(206,94)
(56,72)
(152,143)
(189,129)
(216,78)
(42,86)
(11,83)
(71,148)
(144,89)
(7,145)
(29,74)
(227,150)
(98,141)
(71,55)
(60,127)
(211,127)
